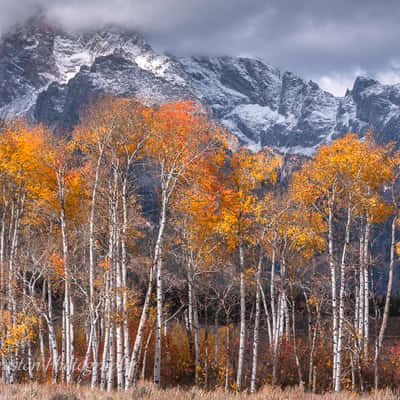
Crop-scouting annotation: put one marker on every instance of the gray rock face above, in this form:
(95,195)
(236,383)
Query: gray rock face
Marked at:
(26,66)
(48,76)
(60,105)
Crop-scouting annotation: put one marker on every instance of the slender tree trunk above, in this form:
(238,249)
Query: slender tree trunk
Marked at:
(242,338)
(357,299)
(158,267)
(337,387)
(353,373)
(146,350)
(206,349)
(275,348)
(366,289)
(92,317)
(267,316)
(157,355)
(124,273)
(67,300)
(189,327)
(119,332)
(216,339)
(333,288)
(196,331)
(273,299)
(85,364)
(107,334)
(2,250)
(52,334)
(119,310)
(193,320)
(313,346)
(12,278)
(382,330)
(111,360)
(95,353)
(42,348)
(137,347)
(361,296)
(108,326)
(253,379)
(63,369)
(228,352)
(359,371)
(296,354)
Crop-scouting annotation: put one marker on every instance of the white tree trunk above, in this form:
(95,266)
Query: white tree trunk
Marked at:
(110,362)
(366,290)
(67,301)
(277,336)
(92,310)
(227,363)
(193,320)
(337,387)
(158,267)
(242,337)
(137,346)
(107,328)
(253,379)
(361,296)
(2,250)
(52,334)
(273,296)
(124,274)
(267,316)
(333,289)
(296,355)
(119,331)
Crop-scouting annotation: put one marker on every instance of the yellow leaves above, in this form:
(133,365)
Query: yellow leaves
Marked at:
(350,173)
(249,170)
(349,170)
(32,162)
(21,150)
(114,126)
(313,301)
(76,193)
(300,230)
(242,183)
(377,208)
(306,241)
(105,264)
(222,200)
(15,331)
(57,264)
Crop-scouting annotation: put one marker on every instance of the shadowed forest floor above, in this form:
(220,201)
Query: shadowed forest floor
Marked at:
(48,392)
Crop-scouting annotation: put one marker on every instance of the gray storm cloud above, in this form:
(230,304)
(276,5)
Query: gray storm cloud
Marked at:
(324,40)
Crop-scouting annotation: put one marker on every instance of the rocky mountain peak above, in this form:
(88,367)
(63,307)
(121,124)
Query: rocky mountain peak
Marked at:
(48,75)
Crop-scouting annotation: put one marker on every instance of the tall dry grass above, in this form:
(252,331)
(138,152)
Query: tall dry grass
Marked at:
(149,392)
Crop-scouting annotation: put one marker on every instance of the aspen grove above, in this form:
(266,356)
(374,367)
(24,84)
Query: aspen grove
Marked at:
(149,245)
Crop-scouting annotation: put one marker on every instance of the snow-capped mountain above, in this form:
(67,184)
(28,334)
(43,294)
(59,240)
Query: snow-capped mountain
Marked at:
(48,75)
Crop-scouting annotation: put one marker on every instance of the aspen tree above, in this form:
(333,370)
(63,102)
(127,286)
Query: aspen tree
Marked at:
(182,136)
(345,176)
(246,173)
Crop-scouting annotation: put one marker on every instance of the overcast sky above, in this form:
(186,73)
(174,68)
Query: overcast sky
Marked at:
(328,41)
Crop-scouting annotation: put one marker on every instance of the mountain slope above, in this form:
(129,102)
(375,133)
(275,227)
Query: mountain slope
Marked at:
(48,76)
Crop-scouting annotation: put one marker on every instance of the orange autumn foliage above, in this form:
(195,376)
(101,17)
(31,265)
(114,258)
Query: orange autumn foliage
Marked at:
(350,170)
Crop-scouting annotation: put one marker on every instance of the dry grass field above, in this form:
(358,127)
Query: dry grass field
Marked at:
(148,392)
